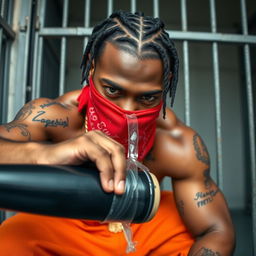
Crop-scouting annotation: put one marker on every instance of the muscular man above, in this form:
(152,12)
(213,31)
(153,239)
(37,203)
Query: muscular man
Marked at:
(130,65)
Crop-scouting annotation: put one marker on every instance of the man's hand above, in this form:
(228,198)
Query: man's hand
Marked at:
(51,132)
(106,153)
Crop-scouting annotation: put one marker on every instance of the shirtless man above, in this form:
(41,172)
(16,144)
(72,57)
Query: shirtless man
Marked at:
(130,64)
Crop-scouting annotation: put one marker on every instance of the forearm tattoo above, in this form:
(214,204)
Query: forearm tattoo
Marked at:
(50,122)
(23,128)
(206,252)
(200,150)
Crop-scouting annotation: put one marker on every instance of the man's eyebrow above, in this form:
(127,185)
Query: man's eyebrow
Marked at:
(149,93)
(117,86)
(113,84)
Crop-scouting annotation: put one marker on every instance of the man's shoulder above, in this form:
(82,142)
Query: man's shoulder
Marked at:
(70,98)
(175,147)
(173,129)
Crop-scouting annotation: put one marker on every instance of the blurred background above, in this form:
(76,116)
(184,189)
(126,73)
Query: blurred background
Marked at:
(41,46)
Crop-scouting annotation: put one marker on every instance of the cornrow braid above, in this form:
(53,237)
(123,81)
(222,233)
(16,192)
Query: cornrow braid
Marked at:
(141,35)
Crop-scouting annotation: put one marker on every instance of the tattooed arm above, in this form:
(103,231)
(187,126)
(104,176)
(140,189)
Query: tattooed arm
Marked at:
(180,153)
(52,132)
(201,203)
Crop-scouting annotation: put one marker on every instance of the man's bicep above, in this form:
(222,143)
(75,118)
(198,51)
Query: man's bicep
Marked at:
(31,121)
(201,204)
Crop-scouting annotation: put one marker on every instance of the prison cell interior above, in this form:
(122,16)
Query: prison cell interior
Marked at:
(41,43)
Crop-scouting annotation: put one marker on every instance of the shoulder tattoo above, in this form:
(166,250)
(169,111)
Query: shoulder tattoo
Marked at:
(200,150)
(25,112)
(51,103)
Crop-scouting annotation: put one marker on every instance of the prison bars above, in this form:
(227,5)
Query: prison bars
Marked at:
(248,78)
(8,35)
(186,36)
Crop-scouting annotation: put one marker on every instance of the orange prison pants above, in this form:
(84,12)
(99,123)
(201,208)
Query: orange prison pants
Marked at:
(29,234)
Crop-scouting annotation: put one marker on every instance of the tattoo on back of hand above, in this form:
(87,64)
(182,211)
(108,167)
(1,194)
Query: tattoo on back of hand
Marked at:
(201,150)
(206,252)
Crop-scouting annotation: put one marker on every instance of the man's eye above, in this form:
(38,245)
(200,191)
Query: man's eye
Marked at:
(148,99)
(111,91)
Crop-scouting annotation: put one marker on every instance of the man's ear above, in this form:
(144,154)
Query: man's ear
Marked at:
(92,69)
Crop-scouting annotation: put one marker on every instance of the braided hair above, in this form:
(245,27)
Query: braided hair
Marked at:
(141,36)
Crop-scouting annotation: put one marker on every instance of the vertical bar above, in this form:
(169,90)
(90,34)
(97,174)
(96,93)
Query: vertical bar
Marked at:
(133,6)
(185,62)
(216,76)
(156,8)
(87,9)
(2,8)
(1,40)
(63,49)
(251,125)
(38,53)
(110,7)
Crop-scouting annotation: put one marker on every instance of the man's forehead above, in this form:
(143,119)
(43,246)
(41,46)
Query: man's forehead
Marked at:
(128,61)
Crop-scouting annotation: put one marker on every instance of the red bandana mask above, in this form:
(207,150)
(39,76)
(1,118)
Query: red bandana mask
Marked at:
(106,116)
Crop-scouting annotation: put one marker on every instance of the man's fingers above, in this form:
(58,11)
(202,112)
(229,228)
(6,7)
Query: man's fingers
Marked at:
(103,162)
(112,163)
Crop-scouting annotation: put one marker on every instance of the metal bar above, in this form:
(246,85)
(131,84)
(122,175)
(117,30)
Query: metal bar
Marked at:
(2,8)
(216,80)
(218,123)
(36,90)
(63,49)
(5,90)
(176,35)
(155,8)
(1,40)
(133,6)
(251,123)
(87,20)
(110,7)
(7,29)
(37,65)
(185,62)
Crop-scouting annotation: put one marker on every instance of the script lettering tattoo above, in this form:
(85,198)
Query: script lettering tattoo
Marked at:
(203,198)
(48,104)
(180,206)
(22,127)
(50,122)
(207,179)
(201,150)
(24,112)
(206,252)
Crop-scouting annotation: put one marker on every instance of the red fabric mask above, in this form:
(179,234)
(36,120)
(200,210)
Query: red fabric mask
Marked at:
(106,116)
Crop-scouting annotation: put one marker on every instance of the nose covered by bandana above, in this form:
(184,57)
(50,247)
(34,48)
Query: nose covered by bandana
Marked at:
(104,115)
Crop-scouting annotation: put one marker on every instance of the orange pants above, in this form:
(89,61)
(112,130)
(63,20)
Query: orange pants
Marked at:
(29,234)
